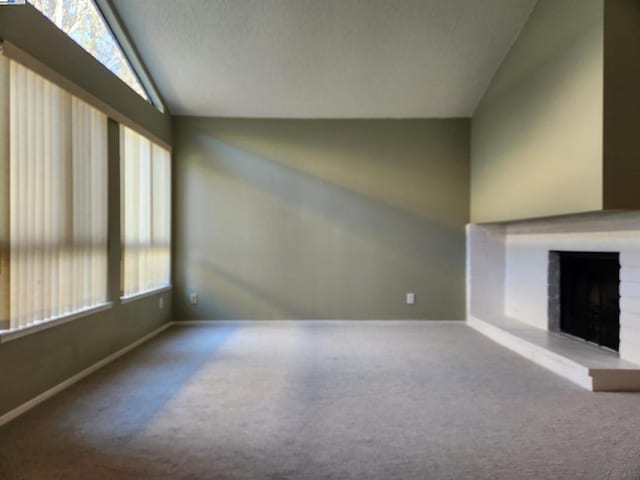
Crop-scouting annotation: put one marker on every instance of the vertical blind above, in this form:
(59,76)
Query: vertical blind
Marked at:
(58,201)
(145,173)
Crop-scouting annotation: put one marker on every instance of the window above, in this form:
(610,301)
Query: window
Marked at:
(57,201)
(81,20)
(145,173)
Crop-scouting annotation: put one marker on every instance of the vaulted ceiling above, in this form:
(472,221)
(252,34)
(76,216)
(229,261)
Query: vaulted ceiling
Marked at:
(323,58)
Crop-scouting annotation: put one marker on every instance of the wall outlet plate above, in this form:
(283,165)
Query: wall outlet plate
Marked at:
(161,303)
(411,298)
(194,299)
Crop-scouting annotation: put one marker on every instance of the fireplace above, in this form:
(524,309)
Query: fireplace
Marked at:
(584,296)
(514,272)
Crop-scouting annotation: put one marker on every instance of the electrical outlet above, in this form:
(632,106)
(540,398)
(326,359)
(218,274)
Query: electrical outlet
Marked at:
(411,298)
(161,303)
(194,299)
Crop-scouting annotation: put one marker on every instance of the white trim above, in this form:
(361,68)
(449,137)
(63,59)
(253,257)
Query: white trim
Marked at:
(35,401)
(8,335)
(28,405)
(120,35)
(146,293)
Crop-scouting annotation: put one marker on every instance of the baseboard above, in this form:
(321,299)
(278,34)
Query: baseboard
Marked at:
(28,405)
(185,323)
(25,407)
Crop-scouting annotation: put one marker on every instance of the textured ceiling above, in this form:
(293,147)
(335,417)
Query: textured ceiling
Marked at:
(323,58)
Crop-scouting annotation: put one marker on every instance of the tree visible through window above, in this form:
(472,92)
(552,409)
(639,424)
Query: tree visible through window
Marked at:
(81,20)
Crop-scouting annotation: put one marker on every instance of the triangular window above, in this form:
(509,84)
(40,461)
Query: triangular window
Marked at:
(82,21)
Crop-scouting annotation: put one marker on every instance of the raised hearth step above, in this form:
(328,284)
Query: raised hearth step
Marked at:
(589,366)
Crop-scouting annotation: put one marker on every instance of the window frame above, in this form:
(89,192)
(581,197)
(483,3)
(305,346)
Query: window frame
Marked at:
(121,35)
(114,26)
(152,144)
(75,104)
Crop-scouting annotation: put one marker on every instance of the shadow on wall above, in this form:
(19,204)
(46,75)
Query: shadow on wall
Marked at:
(271,229)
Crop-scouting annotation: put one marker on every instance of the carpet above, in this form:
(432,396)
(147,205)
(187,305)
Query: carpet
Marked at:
(325,400)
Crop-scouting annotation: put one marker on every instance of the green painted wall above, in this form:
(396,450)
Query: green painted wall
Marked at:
(537,135)
(299,219)
(31,365)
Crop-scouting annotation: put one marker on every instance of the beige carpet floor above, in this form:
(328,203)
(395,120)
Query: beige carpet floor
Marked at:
(325,400)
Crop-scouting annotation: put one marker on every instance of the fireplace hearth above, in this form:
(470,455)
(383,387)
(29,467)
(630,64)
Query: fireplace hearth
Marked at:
(536,285)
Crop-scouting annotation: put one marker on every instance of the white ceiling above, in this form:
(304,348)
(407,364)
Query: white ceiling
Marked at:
(323,58)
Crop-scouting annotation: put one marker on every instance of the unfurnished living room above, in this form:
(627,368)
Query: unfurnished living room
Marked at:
(320,239)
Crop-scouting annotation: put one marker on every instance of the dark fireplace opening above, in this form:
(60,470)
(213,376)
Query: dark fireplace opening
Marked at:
(584,298)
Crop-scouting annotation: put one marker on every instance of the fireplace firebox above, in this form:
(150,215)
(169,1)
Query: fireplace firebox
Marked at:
(587,296)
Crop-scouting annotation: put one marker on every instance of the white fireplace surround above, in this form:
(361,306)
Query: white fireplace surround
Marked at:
(508,268)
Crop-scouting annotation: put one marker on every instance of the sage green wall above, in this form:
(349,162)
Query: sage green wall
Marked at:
(335,219)
(537,135)
(33,364)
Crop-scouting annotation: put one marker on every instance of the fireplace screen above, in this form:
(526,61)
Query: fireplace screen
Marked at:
(589,296)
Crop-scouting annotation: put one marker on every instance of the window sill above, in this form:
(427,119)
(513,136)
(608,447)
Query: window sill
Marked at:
(8,335)
(146,293)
